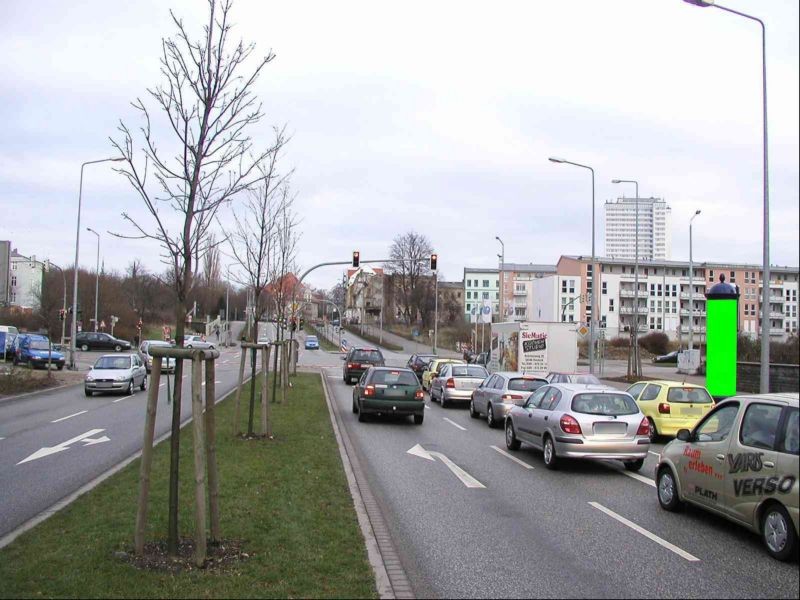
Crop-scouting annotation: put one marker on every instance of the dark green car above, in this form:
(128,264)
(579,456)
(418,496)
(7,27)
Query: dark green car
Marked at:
(388,391)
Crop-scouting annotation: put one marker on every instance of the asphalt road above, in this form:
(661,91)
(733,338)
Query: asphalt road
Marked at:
(531,532)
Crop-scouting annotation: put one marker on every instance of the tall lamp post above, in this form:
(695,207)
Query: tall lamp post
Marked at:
(594,266)
(691,285)
(64,309)
(74,328)
(97,277)
(637,363)
(765,278)
(502,275)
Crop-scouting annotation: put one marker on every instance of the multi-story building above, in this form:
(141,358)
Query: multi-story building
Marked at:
(24,280)
(518,282)
(364,299)
(655,229)
(480,285)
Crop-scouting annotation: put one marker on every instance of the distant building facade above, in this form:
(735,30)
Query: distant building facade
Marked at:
(25,278)
(655,229)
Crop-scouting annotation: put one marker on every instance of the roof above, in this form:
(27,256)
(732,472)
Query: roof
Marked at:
(792,399)
(518,374)
(529,268)
(679,263)
(673,383)
(585,387)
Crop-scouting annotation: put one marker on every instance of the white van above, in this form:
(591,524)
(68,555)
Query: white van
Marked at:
(7,335)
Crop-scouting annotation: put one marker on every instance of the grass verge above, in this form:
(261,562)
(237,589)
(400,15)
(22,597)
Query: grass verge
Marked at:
(354,329)
(287,500)
(324,342)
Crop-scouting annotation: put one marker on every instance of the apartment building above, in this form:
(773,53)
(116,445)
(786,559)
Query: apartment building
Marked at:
(655,229)
(518,295)
(25,276)
(480,285)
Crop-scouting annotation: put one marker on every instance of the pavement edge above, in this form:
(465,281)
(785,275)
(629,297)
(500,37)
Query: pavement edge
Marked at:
(390,576)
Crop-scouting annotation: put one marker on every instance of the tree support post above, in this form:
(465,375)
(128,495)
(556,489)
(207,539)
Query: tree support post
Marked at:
(237,407)
(146,463)
(266,417)
(211,449)
(199,463)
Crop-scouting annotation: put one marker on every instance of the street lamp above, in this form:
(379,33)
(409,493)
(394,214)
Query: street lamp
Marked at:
(636,362)
(97,277)
(502,273)
(691,285)
(765,321)
(74,328)
(594,266)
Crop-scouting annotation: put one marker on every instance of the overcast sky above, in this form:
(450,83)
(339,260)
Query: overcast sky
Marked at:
(432,116)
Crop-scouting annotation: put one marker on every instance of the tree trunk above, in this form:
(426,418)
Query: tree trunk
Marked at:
(199,463)
(146,464)
(175,438)
(211,450)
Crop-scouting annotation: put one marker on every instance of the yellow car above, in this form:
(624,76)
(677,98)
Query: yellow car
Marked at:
(433,367)
(671,405)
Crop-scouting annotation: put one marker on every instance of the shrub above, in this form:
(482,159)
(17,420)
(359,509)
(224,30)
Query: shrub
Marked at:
(655,343)
(619,342)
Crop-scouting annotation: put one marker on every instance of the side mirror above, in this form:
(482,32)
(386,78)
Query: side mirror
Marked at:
(521,403)
(684,435)
(343,357)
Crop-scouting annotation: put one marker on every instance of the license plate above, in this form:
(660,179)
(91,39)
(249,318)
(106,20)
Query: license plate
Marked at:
(394,393)
(610,428)
(692,411)
(104,384)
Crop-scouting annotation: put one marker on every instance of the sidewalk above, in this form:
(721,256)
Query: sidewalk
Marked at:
(410,347)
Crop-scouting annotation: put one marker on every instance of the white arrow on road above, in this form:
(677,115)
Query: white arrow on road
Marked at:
(86,438)
(467,479)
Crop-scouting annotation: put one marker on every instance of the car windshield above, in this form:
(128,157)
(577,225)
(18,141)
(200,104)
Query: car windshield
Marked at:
(394,377)
(469,371)
(312,338)
(367,355)
(693,395)
(39,345)
(523,384)
(113,362)
(604,404)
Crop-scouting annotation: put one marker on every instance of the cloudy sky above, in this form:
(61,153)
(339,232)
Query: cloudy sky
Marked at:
(432,116)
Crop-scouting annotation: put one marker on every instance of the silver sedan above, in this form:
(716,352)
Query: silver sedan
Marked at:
(116,373)
(455,382)
(196,341)
(495,396)
(570,420)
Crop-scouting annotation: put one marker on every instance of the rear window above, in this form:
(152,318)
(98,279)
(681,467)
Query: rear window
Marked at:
(394,377)
(367,355)
(695,395)
(469,371)
(522,384)
(311,338)
(604,404)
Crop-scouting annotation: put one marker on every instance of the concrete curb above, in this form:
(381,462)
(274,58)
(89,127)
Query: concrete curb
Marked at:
(391,580)
(37,392)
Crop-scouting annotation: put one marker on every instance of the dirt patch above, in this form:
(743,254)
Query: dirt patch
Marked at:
(626,379)
(21,380)
(220,556)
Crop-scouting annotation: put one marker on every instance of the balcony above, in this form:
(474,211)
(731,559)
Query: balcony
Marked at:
(520,292)
(777,299)
(776,314)
(777,331)
(629,310)
(695,329)
(625,293)
(697,296)
(696,313)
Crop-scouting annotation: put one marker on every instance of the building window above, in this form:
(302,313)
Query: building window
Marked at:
(605,287)
(519,287)
(660,292)
(711,275)
(652,289)
(485,283)
(674,290)
(564,286)
(571,286)
(519,312)
(610,305)
(13,266)
(485,295)
(497,295)
(469,307)
(497,283)
(733,277)
(13,281)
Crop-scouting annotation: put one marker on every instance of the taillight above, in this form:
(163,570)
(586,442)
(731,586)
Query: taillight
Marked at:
(663,408)
(507,397)
(570,425)
(369,390)
(450,383)
(350,365)
(419,395)
(644,427)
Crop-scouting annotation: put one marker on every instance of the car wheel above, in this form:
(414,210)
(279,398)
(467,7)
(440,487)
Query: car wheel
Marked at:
(143,387)
(129,389)
(512,443)
(549,453)
(84,348)
(117,348)
(361,416)
(634,465)
(472,412)
(60,367)
(778,533)
(418,419)
(442,400)
(653,431)
(668,490)
(490,416)
(88,393)
(355,406)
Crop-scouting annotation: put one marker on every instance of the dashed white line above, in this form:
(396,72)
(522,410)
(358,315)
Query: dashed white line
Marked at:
(454,424)
(645,533)
(656,454)
(69,416)
(641,478)
(121,399)
(514,458)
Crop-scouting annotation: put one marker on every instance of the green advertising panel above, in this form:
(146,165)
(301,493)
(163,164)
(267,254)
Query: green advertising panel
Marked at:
(721,330)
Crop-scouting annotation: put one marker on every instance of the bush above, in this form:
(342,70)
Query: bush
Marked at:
(788,352)
(619,342)
(655,343)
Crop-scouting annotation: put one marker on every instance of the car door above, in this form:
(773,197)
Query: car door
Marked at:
(436,380)
(495,390)
(542,414)
(524,425)
(752,461)
(646,401)
(703,465)
(482,394)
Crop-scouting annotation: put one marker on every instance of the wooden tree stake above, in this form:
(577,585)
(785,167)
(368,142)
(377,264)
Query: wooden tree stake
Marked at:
(211,450)
(236,411)
(199,461)
(146,463)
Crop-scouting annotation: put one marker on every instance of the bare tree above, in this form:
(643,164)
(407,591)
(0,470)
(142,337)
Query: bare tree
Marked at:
(207,104)
(212,271)
(411,275)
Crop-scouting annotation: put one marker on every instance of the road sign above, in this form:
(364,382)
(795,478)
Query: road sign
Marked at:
(583,330)
(415,332)
(343,347)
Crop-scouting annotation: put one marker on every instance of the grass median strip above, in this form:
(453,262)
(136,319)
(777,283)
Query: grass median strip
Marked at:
(286,500)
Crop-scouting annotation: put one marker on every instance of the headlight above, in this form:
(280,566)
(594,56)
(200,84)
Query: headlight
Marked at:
(120,378)
(89,378)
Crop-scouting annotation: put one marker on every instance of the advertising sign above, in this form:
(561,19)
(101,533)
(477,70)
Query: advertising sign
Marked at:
(486,312)
(534,349)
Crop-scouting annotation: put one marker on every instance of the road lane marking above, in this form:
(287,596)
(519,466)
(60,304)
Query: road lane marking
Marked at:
(86,438)
(641,478)
(427,407)
(454,424)
(645,533)
(121,399)
(467,479)
(69,416)
(654,453)
(514,458)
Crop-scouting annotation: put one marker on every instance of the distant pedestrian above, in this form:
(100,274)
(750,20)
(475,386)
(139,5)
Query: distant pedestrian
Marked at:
(216,331)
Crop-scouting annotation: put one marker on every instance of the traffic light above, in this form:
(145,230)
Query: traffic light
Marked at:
(434,259)
(61,314)
(356,258)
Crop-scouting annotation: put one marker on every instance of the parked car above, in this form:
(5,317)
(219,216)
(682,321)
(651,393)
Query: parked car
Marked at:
(433,369)
(34,350)
(671,405)
(585,378)
(419,362)
(116,373)
(93,340)
(358,360)
(480,359)
(740,462)
(455,382)
(197,341)
(570,420)
(389,391)
(670,357)
(495,396)
(312,342)
(167,364)
(9,333)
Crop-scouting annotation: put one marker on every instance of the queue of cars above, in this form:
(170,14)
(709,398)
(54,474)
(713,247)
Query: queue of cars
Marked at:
(737,458)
